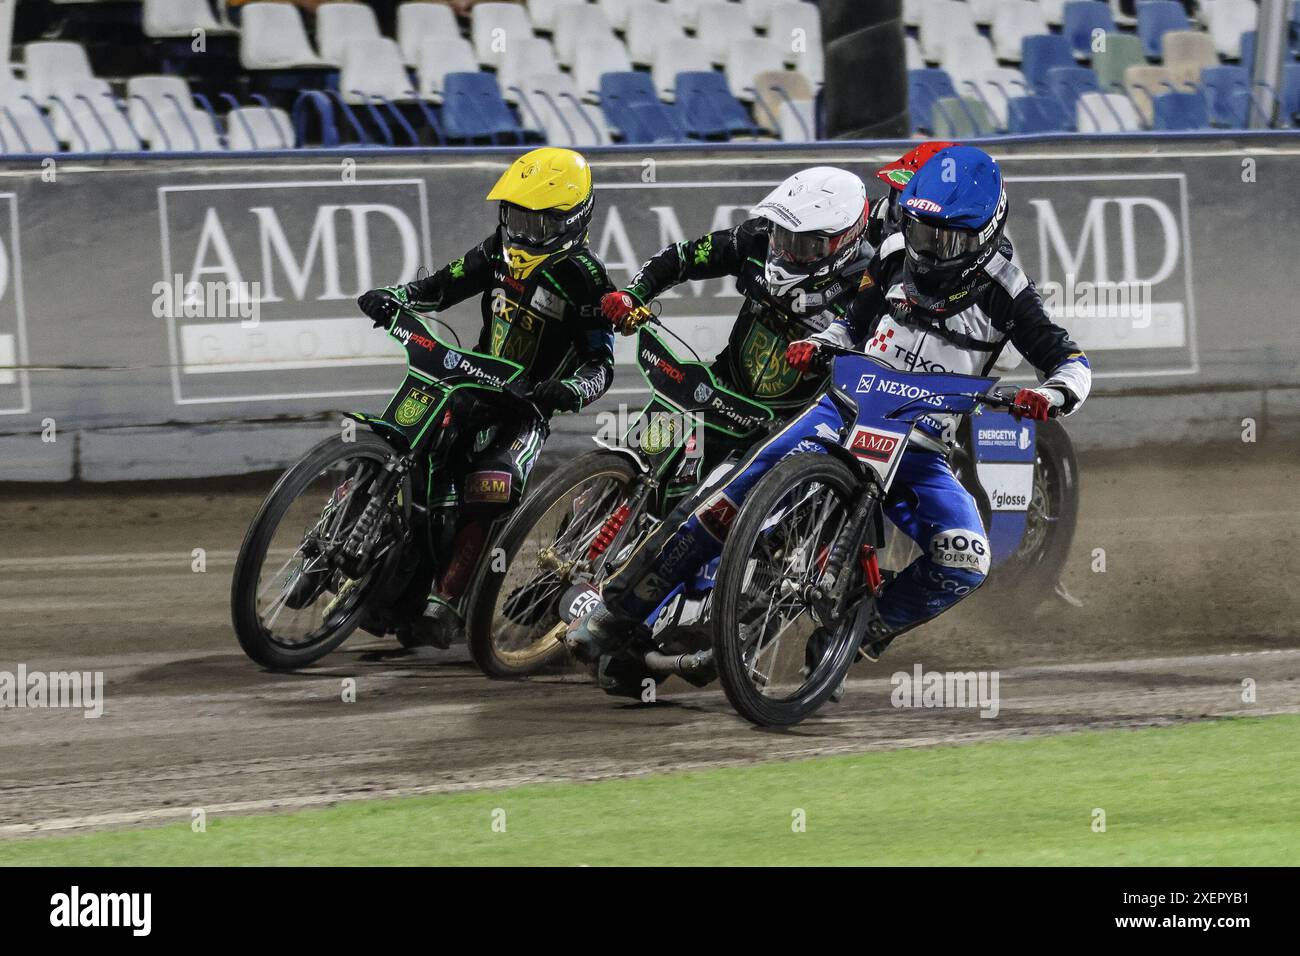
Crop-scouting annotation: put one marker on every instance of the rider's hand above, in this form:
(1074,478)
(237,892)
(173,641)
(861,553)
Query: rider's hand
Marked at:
(801,355)
(380,305)
(1036,404)
(553,396)
(618,308)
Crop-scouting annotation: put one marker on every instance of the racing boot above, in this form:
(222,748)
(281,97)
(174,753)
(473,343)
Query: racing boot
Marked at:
(440,625)
(594,630)
(877,636)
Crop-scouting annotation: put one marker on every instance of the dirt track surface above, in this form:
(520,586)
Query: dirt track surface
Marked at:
(1198,595)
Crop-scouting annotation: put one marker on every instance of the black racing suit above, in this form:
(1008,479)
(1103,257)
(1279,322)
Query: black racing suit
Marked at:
(753,362)
(550,322)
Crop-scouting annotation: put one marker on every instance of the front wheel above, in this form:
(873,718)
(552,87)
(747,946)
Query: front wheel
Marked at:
(514,621)
(292,599)
(778,660)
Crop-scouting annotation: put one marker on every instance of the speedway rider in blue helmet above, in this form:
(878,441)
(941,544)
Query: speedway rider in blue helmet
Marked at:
(941,294)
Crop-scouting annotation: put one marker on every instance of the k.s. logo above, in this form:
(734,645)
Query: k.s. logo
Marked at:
(414,406)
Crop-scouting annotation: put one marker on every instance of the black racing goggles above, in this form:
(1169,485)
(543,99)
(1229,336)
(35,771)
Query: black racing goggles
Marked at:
(531,226)
(801,247)
(939,243)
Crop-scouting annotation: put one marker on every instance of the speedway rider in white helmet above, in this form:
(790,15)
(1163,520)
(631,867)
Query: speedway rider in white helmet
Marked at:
(798,264)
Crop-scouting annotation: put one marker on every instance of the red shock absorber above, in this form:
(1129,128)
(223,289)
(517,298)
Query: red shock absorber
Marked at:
(612,526)
(871,568)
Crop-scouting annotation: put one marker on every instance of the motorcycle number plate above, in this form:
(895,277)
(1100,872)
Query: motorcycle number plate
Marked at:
(879,448)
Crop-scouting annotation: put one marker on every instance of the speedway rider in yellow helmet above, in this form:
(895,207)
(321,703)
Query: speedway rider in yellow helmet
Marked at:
(540,289)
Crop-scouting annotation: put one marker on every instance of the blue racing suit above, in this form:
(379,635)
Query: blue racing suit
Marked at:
(926,501)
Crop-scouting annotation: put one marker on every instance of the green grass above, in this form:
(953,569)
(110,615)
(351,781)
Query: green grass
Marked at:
(1223,792)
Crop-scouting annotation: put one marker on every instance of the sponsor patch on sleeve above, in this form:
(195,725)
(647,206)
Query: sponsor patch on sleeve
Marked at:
(488,487)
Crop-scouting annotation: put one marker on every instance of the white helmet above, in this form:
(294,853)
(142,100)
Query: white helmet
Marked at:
(818,217)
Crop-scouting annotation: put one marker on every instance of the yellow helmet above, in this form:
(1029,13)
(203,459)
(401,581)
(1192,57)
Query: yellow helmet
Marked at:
(546,204)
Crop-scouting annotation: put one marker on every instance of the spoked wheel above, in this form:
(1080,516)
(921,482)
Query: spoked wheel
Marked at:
(515,627)
(779,659)
(292,601)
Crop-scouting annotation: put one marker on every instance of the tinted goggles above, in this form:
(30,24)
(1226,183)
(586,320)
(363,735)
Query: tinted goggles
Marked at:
(938,242)
(531,226)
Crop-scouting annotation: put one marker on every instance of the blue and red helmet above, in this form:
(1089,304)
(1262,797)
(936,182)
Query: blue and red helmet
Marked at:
(954,211)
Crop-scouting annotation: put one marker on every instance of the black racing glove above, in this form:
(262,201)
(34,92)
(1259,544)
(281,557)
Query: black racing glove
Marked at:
(380,305)
(555,396)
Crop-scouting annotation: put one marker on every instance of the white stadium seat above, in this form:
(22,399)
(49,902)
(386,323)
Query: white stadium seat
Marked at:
(258,127)
(982,11)
(993,87)
(1106,113)
(797,28)
(493,26)
(617,12)
(87,119)
(372,67)
(797,122)
(339,24)
(440,55)
(179,18)
(685,11)
(151,97)
(418,21)
(576,26)
(912,12)
(912,53)
(941,20)
(23,127)
(55,65)
(564,118)
(759,12)
(687,55)
(272,37)
(1231,19)
(647,30)
(717,28)
(524,58)
(1053,11)
(967,57)
(6,39)
(191,132)
(542,12)
(595,61)
(1015,20)
(747,58)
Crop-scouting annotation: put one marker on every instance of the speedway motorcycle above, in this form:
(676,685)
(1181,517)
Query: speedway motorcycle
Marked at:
(345,530)
(806,556)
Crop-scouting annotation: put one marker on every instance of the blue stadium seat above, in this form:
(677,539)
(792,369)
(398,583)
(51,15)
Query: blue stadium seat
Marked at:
(630,104)
(706,108)
(1248,50)
(1068,83)
(1227,92)
(923,88)
(1081,18)
(1289,111)
(1037,114)
(1180,111)
(473,109)
(1040,53)
(1155,19)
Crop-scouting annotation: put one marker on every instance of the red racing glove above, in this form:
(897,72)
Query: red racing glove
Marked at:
(801,355)
(1033,404)
(617,307)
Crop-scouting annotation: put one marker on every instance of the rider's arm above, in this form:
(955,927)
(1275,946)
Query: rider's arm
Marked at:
(458,280)
(853,328)
(590,373)
(711,256)
(1017,309)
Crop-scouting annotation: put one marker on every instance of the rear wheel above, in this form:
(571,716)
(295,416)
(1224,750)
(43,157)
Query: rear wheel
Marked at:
(514,622)
(291,602)
(778,660)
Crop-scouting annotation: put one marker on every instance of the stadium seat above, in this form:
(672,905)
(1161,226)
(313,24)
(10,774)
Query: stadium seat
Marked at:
(1037,114)
(912,10)
(1289,108)
(258,127)
(372,67)
(272,37)
(685,12)
(924,88)
(942,20)
(339,24)
(1014,22)
(150,97)
(440,55)
(967,57)
(1248,50)
(707,110)
(417,22)
(1186,53)
(1068,83)
(758,12)
(1180,111)
(524,57)
(796,27)
(1053,11)
(473,109)
(618,12)
(716,28)
(796,121)
(746,58)
(23,127)
(86,117)
(631,106)
(1123,16)
(1119,52)
(1231,19)
(192,132)
(647,30)
(55,65)
(961,118)
(565,119)
(1155,18)
(983,11)
(993,88)
(1227,94)
(685,55)
(577,26)
(167,19)
(543,12)
(1040,54)
(912,54)
(595,61)
(493,26)
(1143,83)
(774,88)
(1082,18)
(1106,113)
